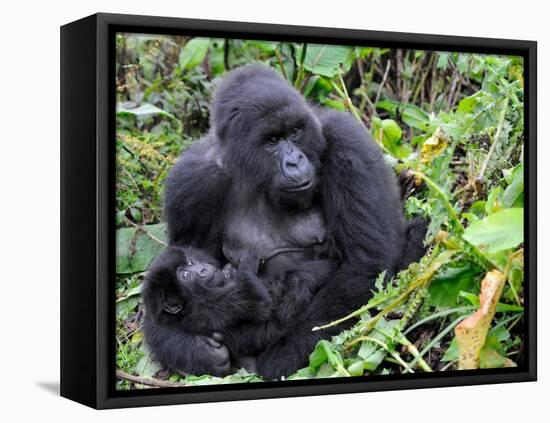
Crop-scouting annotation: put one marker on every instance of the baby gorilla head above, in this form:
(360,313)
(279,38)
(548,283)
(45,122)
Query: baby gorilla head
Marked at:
(195,273)
(187,287)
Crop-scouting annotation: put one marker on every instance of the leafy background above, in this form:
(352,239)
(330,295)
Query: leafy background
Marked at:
(450,124)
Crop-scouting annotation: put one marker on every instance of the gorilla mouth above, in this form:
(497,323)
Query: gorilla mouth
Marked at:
(301,187)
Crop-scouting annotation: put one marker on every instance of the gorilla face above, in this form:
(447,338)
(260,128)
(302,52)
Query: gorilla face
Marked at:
(179,272)
(271,139)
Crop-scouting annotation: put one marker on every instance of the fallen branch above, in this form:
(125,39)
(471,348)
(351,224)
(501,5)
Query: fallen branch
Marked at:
(147,381)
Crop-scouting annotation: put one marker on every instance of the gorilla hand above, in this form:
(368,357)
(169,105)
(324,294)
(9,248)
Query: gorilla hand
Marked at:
(214,355)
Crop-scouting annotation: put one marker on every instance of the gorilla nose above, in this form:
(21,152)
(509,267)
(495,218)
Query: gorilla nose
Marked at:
(293,164)
(203,271)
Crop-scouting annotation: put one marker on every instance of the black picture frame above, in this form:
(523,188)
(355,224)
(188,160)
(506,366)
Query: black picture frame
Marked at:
(87,204)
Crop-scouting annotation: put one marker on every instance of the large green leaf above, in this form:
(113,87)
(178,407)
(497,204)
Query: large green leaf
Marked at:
(371,353)
(513,194)
(497,232)
(389,133)
(412,115)
(326,60)
(446,286)
(136,249)
(193,53)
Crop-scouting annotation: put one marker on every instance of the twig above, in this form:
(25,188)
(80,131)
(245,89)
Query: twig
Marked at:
(146,232)
(423,78)
(147,381)
(344,93)
(281,65)
(384,78)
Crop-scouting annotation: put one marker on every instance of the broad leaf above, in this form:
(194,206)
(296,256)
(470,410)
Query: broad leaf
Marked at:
(499,231)
(136,249)
(514,191)
(193,53)
(326,60)
(389,133)
(446,286)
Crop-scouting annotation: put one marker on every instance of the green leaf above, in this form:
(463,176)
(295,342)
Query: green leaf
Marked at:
(216,57)
(265,46)
(492,354)
(125,306)
(442,60)
(501,307)
(389,133)
(372,353)
(500,231)
(193,53)
(326,60)
(415,117)
(145,366)
(135,250)
(446,286)
(513,191)
(335,104)
(494,200)
(410,114)
(318,356)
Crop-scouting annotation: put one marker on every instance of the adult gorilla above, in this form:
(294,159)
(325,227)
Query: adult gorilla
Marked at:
(293,183)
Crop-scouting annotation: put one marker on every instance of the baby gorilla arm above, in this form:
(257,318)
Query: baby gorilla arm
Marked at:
(182,352)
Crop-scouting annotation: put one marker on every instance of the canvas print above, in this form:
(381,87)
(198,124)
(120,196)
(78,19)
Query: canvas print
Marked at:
(288,211)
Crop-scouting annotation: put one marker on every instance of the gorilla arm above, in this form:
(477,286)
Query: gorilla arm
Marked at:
(366,233)
(195,196)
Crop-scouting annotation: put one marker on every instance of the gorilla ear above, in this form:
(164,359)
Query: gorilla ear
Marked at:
(224,121)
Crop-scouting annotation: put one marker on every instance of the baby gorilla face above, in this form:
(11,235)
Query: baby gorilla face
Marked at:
(196,276)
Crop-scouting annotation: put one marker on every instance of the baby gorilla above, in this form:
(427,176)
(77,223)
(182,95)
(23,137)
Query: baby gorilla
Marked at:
(187,291)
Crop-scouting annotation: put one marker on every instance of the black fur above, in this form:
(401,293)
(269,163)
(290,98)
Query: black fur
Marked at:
(228,194)
(210,307)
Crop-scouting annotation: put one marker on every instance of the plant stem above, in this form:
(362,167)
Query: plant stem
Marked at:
(481,175)
(281,64)
(414,352)
(434,187)
(300,76)
(439,336)
(426,277)
(394,354)
(347,99)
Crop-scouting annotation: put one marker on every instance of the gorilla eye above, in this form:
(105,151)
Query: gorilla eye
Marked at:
(295,132)
(186,274)
(189,262)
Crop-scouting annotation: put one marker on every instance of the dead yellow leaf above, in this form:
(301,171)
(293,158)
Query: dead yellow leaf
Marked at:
(433,146)
(472,331)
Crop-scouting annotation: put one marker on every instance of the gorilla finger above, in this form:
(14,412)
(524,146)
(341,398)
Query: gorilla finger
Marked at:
(217,336)
(212,343)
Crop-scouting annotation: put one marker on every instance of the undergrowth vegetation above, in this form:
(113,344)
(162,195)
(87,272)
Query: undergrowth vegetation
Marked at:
(450,124)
